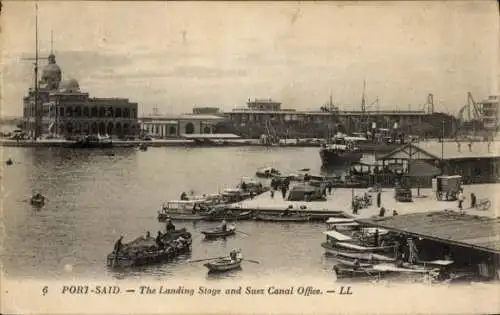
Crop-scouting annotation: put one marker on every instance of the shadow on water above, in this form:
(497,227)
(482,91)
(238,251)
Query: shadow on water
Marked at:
(156,270)
(223,275)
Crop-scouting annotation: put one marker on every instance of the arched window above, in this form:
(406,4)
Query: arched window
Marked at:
(189,128)
(69,128)
(93,128)
(93,112)
(78,111)
(85,111)
(118,112)
(69,112)
(109,130)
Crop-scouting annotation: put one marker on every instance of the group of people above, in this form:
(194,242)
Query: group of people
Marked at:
(282,185)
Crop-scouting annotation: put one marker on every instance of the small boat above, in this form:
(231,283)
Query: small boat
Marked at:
(37,200)
(229,215)
(9,162)
(145,251)
(342,224)
(343,272)
(143,147)
(226,264)
(91,142)
(218,232)
(190,210)
(342,245)
(267,172)
(282,218)
(222,265)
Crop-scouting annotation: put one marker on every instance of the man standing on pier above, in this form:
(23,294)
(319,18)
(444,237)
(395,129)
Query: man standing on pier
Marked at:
(460,198)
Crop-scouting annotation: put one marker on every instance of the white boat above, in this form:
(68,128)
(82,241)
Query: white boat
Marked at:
(341,224)
(183,210)
(342,245)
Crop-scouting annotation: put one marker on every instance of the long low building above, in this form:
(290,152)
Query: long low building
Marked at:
(175,126)
(468,240)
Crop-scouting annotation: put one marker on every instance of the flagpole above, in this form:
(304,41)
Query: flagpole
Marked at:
(37,114)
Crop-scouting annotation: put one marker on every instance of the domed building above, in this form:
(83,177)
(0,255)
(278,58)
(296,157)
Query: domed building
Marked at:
(66,111)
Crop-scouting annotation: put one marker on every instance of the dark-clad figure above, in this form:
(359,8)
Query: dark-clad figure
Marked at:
(379,199)
(473,200)
(170,226)
(159,242)
(118,245)
(148,235)
(184,196)
(382,212)
(394,212)
(376,237)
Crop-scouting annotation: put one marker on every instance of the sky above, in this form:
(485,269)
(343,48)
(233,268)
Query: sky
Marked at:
(178,55)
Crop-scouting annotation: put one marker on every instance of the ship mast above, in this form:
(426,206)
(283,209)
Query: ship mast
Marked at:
(37,111)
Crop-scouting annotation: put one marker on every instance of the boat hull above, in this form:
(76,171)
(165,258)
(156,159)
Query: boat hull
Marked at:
(364,256)
(163,216)
(247,215)
(216,233)
(223,266)
(343,272)
(333,157)
(170,253)
(292,219)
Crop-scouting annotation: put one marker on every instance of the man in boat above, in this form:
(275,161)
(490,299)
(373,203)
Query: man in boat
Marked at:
(382,212)
(356,264)
(148,235)
(118,245)
(159,241)
(170,226)
(233,255)
(376,238)
(184,196)
(224,225)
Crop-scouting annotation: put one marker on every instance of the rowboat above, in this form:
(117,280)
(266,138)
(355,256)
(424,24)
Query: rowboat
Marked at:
(218,232)
(37,201)
(144,251)
(282,218)
(224,264)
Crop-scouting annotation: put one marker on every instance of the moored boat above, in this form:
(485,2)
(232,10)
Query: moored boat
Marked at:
(342,151)
(147,250)
(91,142)
(341,224)
(223,214)
(267,172)
(191,210)
(282,218)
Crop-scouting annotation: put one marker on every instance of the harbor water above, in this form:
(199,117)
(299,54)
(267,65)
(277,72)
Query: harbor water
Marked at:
(94,197)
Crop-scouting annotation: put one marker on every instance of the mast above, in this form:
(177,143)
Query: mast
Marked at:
(37,111)
(363,107)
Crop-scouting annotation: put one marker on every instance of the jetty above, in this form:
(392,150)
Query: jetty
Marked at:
(338,203)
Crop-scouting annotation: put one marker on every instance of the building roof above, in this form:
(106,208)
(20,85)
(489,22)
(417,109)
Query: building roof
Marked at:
(450,150)
(445,226)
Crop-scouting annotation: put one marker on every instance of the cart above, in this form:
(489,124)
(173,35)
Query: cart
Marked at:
(447,187)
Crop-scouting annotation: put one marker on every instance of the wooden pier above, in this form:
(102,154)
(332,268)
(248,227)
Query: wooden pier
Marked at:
(339,203)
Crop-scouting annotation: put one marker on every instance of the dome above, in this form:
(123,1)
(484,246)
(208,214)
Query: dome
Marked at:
(69,85)
(51,73)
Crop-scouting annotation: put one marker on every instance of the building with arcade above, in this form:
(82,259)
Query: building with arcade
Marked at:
(64,110)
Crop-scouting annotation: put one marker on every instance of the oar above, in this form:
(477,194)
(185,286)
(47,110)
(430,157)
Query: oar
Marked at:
(242,232)
(252,261)
(193,261)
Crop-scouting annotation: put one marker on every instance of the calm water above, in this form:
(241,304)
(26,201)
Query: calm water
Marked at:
(93,198)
